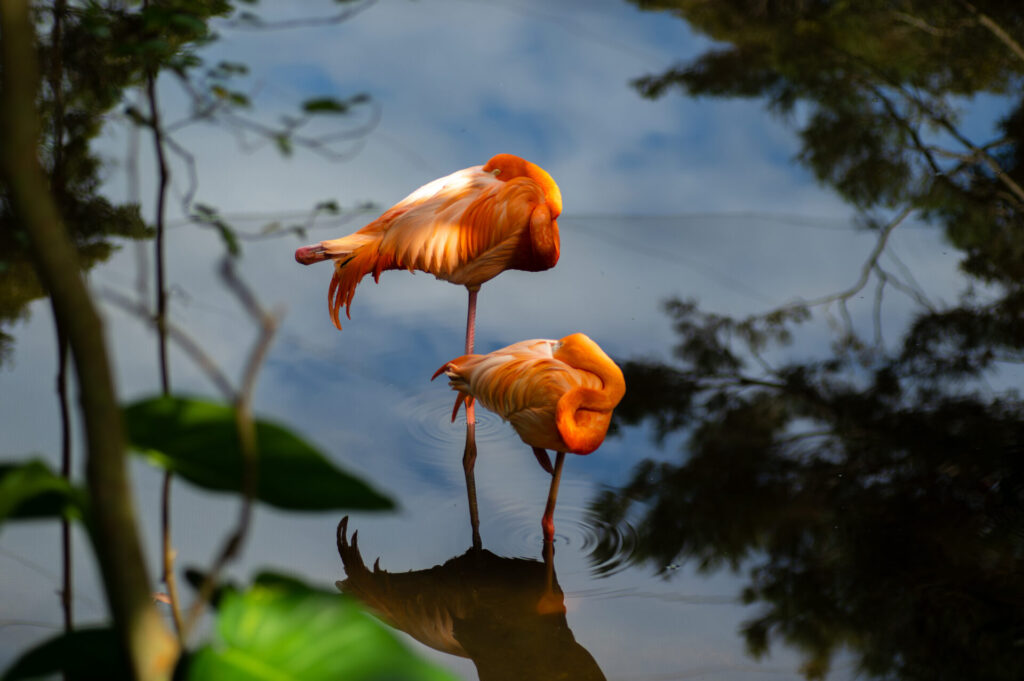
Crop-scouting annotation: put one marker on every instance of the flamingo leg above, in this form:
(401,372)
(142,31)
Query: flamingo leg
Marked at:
(543,459)
(468,462)
(470,337)
(548,521)
(551,602)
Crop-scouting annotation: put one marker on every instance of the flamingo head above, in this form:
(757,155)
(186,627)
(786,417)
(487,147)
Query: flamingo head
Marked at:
(584,414)
(508,166)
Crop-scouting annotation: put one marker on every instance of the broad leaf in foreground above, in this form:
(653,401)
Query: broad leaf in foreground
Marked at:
(280,630)
(198,440)
(31,490)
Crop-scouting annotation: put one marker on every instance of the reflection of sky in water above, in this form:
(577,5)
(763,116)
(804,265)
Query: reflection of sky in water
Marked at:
(552,86)
(364,396)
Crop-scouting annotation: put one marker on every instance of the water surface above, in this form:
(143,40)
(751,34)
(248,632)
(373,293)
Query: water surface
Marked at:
(364,396)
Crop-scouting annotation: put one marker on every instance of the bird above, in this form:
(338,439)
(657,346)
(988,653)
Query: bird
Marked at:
(465,228)
(557,395)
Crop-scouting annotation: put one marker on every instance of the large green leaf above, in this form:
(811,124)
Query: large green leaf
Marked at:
(280,630)
(199,441)
(81,655)
(32,490)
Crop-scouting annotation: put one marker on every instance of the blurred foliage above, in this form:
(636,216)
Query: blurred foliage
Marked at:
(31,490)
(277,628)
(198,440)
(282,629)
(87,654)
(874,495)
(103,50)
(93,58)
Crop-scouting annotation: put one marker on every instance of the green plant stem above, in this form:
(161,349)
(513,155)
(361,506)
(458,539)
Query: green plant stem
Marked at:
(150,648)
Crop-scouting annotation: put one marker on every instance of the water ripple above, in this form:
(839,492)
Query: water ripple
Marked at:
(428,418)
(609,549)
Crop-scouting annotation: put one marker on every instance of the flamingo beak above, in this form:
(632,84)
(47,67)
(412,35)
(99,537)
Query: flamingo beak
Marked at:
(307,255)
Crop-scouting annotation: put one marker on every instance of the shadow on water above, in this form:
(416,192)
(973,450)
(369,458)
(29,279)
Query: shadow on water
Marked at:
(507,615)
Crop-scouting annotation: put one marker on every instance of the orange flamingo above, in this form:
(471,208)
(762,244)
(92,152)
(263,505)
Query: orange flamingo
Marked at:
(556,394)
(466,228)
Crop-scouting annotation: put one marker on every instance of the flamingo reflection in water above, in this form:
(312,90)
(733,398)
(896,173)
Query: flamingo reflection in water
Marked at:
(507,615)
(466,228)
(556,394)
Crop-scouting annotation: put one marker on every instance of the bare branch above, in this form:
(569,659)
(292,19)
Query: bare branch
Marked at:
(866,269)
(996,29)
(180,337)
(246,427)
(917,22)
(253,22)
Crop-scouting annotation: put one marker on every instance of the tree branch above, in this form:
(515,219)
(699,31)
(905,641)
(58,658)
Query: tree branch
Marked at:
(246,428)
(996,29)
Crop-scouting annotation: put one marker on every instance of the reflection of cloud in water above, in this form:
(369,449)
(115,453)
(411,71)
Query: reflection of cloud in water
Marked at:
(364,397)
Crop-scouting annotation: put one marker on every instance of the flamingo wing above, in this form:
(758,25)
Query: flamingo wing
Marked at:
(465,228)
(522,383)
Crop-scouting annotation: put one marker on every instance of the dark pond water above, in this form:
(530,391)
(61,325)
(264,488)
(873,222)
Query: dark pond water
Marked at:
(364,396)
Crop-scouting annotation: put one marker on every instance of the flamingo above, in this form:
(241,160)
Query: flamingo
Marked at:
(466,228)
(556,394)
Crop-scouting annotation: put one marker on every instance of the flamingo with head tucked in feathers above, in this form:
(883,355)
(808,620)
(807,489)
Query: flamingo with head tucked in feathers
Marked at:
(556,394)
(466,228)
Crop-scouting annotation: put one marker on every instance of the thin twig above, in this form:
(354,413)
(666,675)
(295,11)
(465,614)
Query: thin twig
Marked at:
(917,22)
(58,188)
(996,29)
(866,269)
(877,311)
(246,428)
(309,22)
(945,123)
(913,288)
(169,578)
(179,337)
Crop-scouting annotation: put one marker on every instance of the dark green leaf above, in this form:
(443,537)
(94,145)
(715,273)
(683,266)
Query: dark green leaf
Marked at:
(282,630)
(207,215)
(325,105)
(199,441)
(82,655)
(329,206)
(32,490)
(284,144)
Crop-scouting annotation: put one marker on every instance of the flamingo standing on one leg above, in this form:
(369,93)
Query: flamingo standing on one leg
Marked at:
(557,395)
(466,228)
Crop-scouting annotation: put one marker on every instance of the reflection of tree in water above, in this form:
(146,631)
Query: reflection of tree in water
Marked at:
(505,614)
(877,493)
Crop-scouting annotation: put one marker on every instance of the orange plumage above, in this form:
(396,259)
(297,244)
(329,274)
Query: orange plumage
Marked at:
(465,228)
(556,394)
